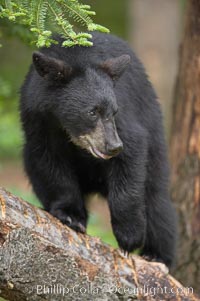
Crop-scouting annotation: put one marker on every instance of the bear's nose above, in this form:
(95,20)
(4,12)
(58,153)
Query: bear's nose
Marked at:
(114,149)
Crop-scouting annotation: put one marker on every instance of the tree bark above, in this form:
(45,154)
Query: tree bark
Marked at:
(41,259)
(185,150)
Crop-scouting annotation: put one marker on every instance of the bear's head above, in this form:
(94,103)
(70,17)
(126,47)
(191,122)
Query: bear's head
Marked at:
(83,101)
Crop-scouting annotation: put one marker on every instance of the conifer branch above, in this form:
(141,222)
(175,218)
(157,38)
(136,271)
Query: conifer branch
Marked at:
(34,16)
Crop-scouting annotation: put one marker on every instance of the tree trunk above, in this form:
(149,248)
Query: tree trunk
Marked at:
(154,30)
(185,150)
(41,259)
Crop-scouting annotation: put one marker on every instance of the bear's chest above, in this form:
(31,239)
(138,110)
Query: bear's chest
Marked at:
(92,176)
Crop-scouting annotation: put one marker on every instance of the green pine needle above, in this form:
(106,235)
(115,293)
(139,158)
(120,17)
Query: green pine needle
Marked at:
(36,15)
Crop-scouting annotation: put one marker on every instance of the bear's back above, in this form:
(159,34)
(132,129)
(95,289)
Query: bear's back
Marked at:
(104,46)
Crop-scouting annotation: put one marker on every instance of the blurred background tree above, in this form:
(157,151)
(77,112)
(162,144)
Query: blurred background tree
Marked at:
(185,151)
(155,30)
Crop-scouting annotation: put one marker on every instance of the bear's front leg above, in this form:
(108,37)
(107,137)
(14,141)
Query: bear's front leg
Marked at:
(57,187)
(70,210)
(126,203)
(68,205)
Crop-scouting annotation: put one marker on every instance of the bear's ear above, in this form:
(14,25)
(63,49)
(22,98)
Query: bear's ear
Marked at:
(51,68)
(114,67)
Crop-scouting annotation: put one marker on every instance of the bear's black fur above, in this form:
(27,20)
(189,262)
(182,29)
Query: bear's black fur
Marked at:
(92,123)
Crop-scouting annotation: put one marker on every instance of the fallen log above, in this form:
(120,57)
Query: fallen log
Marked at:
(41,259)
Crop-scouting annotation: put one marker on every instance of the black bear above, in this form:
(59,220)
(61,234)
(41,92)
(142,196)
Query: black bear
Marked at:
(92,123)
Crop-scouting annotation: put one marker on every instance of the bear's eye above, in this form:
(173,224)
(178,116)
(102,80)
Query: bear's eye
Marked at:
(92,114)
